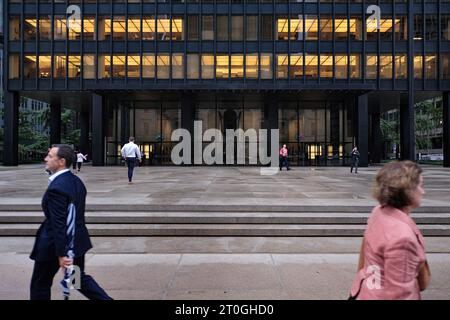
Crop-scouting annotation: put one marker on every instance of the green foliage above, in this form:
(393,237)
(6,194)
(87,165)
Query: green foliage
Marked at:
(428,122)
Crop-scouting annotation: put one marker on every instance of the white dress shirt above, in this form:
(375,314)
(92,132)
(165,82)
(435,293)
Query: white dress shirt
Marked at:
(57,173)
(130,150)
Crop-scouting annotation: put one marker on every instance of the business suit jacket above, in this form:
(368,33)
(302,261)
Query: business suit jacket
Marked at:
(51,239)
(395,247)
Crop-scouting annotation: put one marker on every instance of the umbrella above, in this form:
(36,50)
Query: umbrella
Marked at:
(66,282)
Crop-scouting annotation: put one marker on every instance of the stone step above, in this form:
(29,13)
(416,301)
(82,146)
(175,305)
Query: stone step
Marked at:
(221,208)
(218,230)
(103,217)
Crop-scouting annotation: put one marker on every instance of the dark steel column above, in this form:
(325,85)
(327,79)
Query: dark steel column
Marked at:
(270,117)
(446,125)
(98,146)
(407,128)
(188,117)
(84,133)
(376,145)
(362,139)
(11,126)
(55,124)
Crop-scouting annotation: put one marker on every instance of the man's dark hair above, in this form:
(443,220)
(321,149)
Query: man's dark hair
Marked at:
(65,152)
(131,139)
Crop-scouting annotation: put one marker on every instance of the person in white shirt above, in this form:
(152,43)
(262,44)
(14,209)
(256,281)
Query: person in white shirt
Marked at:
(130,151)
(80,158)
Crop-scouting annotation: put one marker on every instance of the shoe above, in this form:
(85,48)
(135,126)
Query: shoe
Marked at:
(129,182)
(288,169)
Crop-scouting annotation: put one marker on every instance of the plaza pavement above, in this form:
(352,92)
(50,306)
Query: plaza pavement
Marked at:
(217,267)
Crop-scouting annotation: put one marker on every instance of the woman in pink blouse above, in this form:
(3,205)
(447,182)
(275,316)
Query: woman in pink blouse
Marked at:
(392,263)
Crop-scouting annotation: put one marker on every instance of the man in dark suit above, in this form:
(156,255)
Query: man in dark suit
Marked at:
(52,243)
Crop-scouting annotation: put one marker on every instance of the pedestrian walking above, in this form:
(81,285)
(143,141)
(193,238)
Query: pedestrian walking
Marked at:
(80,158)
(392,263)
(131,154)
(62,239)
(284,161)
(355,159)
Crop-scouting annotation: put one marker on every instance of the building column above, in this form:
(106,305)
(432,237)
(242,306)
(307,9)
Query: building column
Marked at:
(446,125)
(98,145)
(11,126)
(376,146)
(188,117)
(55,124)
(84,132)
(362,139)
(335,128)
(407,128)
(270,118)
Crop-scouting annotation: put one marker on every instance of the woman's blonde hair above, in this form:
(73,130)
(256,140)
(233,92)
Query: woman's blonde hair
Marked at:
(395,182)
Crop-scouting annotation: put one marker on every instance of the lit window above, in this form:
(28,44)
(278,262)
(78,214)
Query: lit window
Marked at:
(45,66)
(355,66)
(401,66)
(148,28)
(177,66)
(74,66)
(59,29)
(119,30)
(193,66)
(163,66)
(14,66)
(104,28)
(30,29)
(29,67)
(418,67)
(89,28)
(371,66)
(104,67)
(45,29)
(207,66)
(14,28)
(386,67)
(311,28)
(431,66)
(59,66)
(296,66)
(118,66)
(311,66)
(326,66)
(251,66)
(237,66)
(282,66)
(222,70)
(341,64)
(148,65)
(266,66)
(89,67)
(134,63)
(74,29)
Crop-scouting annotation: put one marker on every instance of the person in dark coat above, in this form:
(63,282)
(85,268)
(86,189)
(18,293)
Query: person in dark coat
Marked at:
(355,159)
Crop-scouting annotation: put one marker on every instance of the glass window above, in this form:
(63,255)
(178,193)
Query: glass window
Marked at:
(355,28)
(311,66)
(119,30)
(45,66)
(177,66)
(252,28)
(401,28)
(282,66)
(431,66)
(341,64)
(431,27)
(163,66)
(148,65)
(266,66)
(445,66)
(237,28)
(401,66)
(386,29)
(14,66)
(193,66)
(445,27)
(74,66)
(134,63)
(134,28)
(326,28)
(118,66)
(89,28)
(371,66)
(60,29)
(177,29)
(311,27)
(386,67)
(74,29)
(30,29)
(266,28)
(60,66)
(251,66)
(355,66)
(148,28)
(326,66)
(89,66)
(207,28)
(104,67)
(222,28)
(207,66)
(418,27)
(418,67)
(45,28)
(283,29)
(296,66)
(29,67)
(296,31)
(104,28)
(222,69)
(14,28)
(163,28)
(237,66)
(192,28)
(341,27)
